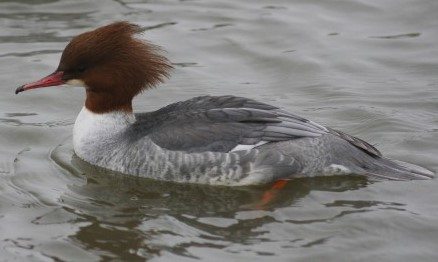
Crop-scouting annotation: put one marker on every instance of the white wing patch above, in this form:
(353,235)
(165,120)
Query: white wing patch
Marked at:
(247,147)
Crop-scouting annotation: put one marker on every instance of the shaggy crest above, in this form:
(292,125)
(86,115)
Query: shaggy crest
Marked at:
(114,65)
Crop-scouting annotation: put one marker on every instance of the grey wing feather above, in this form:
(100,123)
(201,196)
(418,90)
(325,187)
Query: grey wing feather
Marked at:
(220,123)
(357,142)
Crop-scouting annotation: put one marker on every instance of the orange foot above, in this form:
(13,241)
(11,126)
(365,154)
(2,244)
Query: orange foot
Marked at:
(270,194)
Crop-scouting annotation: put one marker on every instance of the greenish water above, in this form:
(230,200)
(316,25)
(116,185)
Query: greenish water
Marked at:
(369,68)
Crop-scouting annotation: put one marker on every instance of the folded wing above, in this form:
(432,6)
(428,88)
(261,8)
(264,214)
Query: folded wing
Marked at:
(222,123)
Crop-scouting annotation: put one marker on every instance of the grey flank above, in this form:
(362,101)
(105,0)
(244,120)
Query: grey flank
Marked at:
(191,141)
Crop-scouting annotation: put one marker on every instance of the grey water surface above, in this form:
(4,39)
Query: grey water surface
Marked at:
(368,68)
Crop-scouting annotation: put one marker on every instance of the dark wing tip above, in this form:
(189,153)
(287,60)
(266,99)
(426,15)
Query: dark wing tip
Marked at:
(357,142)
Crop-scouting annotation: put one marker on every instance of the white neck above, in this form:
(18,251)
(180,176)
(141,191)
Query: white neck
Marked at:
(91,130)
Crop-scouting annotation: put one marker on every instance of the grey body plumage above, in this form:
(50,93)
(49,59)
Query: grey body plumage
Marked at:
(193,141)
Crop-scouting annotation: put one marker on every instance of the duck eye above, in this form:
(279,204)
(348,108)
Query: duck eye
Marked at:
(81,69)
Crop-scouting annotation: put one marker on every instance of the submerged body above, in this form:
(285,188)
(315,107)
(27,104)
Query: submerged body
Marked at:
(223,140)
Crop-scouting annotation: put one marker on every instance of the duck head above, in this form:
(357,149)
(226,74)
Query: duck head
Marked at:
(111,64)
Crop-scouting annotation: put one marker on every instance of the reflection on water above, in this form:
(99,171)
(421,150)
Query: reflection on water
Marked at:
(140,210)
(397,36)
(366,68)
(198,200)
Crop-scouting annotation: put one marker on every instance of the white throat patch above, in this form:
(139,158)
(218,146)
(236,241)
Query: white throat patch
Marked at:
(92,129)
(75,82)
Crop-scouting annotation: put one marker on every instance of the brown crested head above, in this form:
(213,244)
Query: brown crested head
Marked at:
(112,64)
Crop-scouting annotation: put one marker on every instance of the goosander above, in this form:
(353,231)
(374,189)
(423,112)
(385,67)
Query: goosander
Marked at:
(218,140)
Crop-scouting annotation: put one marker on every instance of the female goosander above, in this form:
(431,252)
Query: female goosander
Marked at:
(220,140)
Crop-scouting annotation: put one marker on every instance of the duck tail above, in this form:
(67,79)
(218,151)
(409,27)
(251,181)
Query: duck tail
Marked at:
(388,169)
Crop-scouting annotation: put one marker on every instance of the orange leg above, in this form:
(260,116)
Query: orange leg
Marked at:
(269,195)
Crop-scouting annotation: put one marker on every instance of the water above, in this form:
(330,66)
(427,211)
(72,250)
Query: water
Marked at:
(368,68)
